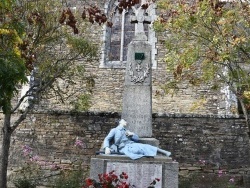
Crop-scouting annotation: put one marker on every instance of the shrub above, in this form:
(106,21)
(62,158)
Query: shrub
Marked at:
(69,179)
(24,183)
(111,180)
(209,181)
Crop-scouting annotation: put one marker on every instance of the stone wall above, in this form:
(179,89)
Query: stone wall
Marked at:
(198,143)
(109,83)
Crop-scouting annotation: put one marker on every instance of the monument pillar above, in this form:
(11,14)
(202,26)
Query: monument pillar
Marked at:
(137,111)
(137,95)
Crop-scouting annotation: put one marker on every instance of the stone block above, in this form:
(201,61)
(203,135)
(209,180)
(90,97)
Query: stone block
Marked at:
(150,141)
(140,172)
(137,109)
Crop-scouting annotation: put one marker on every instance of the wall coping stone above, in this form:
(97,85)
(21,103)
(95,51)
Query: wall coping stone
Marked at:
(154,115)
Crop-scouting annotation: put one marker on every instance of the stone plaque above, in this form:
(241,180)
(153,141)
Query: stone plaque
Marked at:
(140,172)
(137,109)
(140,175)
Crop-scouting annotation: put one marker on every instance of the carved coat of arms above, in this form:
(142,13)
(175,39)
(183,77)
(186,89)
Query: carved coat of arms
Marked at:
(138,71)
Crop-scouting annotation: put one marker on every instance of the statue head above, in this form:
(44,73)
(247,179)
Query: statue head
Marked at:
(123,122)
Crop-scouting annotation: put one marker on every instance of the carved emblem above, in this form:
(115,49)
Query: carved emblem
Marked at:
(139,73)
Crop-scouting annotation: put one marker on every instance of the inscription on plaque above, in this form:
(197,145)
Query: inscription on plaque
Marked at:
(137,109)
(139,175)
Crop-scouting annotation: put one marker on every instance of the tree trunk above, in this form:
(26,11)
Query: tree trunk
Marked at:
(5,150)
(245,115)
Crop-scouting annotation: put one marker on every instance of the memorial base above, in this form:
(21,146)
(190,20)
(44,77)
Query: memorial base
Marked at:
(141,172)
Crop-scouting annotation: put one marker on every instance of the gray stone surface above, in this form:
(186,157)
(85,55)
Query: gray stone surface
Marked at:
(140,172)
(246,180)
(137,109)
(151,141)
(137,95)
(140,18)
(189,138)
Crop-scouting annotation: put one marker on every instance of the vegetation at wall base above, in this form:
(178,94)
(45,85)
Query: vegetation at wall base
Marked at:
(24,183)
(205,180)
(69,179)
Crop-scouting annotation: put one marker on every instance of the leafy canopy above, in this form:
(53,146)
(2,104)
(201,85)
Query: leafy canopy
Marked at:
(12,65)
(208,41)
(32,36)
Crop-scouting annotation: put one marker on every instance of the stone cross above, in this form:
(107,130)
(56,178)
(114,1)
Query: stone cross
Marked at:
(139,19)
(137,94)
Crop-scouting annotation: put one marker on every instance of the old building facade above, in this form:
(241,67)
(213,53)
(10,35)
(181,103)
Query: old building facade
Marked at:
(108,71)
(195,123)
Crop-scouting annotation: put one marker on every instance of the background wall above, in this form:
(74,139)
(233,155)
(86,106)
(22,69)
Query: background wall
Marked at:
(107,92)
(221,143)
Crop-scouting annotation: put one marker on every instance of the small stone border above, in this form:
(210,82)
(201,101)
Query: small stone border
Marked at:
(154,115)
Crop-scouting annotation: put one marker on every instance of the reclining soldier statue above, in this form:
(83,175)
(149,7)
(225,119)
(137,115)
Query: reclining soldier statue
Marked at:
(126,142)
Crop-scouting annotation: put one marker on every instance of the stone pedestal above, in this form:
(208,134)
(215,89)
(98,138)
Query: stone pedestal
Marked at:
(140,172)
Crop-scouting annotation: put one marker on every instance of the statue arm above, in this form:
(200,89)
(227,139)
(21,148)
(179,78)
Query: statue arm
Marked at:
(132,136)
(135,138)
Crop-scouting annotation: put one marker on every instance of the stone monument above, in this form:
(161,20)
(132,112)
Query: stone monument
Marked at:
(137,96)
(137,111)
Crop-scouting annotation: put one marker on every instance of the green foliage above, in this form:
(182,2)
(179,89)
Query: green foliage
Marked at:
(24,183)
(12,72)
(60,54)
(208,42)
(31,35)
(12,65)
(82,45)
(82,103)
(6,4)
(27,176)
(70,179)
